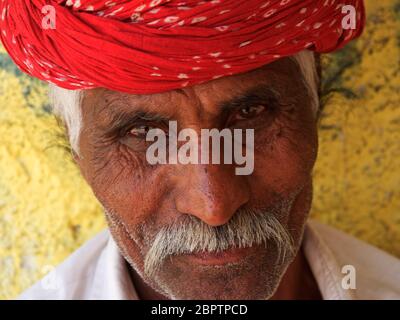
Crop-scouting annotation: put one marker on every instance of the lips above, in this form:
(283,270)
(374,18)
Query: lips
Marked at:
(233,255)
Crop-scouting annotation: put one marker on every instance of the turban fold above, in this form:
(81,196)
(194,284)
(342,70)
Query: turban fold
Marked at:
(149,46)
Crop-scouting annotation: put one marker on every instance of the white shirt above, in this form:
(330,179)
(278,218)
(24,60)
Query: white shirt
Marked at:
(98,271)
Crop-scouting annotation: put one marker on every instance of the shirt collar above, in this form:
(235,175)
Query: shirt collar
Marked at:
(112,279)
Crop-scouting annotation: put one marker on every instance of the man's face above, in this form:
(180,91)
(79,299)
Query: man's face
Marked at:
(171,219)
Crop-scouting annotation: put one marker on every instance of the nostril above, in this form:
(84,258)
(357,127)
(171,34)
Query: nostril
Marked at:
(212,193)
(213,209)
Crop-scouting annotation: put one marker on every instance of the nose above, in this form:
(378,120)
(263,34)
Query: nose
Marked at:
(212,193)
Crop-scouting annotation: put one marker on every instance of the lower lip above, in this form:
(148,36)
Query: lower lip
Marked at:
(228,256)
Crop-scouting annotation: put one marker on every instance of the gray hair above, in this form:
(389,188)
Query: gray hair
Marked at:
(245,229)
(66,104)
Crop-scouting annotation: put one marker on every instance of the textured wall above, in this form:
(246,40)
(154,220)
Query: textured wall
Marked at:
(47,211)
(357,178)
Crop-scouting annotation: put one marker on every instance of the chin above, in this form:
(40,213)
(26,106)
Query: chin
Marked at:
(255,277)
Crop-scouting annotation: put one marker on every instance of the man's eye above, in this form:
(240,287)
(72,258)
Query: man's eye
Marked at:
(139,131)
(250,112)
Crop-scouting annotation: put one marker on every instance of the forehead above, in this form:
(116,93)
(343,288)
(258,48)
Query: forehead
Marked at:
(283,76)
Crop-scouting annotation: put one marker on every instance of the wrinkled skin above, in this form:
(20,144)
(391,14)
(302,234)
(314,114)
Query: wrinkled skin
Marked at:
(114,164)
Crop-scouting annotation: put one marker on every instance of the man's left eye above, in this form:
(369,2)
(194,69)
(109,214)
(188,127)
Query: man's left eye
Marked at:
(250,112)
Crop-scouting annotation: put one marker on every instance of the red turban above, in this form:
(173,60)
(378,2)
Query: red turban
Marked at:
(149,46)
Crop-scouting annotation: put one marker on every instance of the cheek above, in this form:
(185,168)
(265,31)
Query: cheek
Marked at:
(285,157)
(127,185)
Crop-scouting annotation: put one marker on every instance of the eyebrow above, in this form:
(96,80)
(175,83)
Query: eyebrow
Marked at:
(257,94)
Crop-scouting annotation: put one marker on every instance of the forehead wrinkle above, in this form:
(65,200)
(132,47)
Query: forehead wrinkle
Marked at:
(113,101)
(263,76)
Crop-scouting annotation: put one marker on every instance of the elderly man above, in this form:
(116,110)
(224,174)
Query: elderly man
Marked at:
(184,230)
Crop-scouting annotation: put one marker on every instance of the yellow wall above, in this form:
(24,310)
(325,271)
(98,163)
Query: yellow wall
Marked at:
(47,211)
(357,177)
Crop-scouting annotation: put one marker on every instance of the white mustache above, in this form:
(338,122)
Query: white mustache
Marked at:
(246,228)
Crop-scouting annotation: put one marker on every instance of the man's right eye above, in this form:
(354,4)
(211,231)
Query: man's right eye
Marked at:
(139,131)
(135,137)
